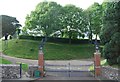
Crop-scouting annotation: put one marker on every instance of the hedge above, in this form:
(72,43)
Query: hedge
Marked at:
(56,40)
(30,37)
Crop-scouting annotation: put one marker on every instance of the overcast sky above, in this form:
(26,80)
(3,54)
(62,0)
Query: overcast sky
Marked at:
(20,8)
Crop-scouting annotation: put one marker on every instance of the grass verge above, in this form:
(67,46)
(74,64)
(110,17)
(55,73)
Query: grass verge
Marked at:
(4,61)
(52,51)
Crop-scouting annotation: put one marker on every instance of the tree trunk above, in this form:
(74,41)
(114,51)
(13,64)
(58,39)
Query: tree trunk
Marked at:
(90,38)
(90,28)
(69,40)
(70,36)
(61,33)
(96,36)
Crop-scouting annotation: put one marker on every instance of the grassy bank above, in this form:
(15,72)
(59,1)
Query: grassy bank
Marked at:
(3,61)
(52,51)
(0,45)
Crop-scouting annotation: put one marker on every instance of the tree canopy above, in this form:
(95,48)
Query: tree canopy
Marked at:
(94,15)
(45,18)
(9,24)
(49,17)
(110,34)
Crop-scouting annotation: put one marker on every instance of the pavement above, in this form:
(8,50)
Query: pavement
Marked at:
(14,60)
(67,78)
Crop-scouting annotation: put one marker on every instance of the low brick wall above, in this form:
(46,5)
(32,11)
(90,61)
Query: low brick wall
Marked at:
(32,69)
(10,71)
(110,73)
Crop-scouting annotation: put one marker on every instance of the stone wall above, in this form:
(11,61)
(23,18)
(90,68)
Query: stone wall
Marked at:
(10,71)
(110,73)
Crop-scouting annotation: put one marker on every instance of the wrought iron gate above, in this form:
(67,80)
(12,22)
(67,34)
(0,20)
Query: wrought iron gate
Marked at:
(68,70)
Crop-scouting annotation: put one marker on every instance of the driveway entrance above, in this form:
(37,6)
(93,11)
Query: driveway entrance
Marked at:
(69,69)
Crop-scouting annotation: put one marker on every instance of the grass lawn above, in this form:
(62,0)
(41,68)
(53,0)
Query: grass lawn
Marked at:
(3,61)
(52,51)
(0,45)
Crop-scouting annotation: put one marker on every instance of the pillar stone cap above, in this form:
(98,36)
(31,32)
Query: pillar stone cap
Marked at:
(40,52)
(97,53)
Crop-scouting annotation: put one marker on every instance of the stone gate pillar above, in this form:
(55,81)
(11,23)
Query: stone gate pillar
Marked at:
(41,63)
(97,63)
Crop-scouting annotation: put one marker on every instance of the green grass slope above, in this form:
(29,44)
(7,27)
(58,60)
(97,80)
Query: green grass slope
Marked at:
(3,61)
(0,45)
(52,51)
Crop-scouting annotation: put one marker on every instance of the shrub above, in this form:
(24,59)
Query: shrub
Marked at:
(57,40)
(118,60)
(110,33)
(30,37)
(112,61)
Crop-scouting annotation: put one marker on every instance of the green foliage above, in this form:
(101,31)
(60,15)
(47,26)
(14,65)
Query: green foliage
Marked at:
(110,34)
(94,18)
(22,49)
(50,17)
(44,19)
(56,40)
(118,60)
(7,24)
(28,37)
(73,22)
(24,66)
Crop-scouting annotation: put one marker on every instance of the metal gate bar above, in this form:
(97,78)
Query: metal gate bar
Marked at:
(68,70)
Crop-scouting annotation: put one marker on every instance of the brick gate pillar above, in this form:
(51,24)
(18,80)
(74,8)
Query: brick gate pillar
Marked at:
(97,63)
(41,62)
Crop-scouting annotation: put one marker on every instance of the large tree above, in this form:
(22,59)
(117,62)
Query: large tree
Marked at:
(73,22)
(110,34)
(45,18)
(49,17)
(8,24)
(94,17)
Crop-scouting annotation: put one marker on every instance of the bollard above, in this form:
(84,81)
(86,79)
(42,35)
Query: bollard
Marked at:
(97,64)
(41,63)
